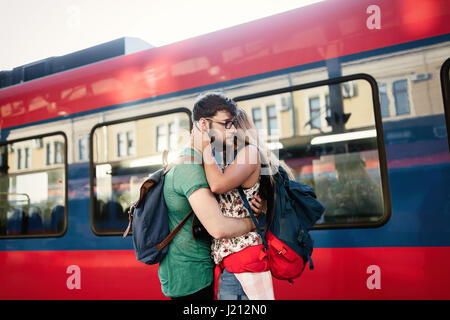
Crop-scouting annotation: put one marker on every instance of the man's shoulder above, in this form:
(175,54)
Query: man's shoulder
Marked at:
(186,157)
(190,155)
(186,173)
(188,170)
(184,182)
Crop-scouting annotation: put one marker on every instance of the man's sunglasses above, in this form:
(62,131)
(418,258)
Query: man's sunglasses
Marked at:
(227,123)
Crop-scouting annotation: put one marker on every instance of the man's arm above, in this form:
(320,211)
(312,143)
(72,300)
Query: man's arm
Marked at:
(207,210)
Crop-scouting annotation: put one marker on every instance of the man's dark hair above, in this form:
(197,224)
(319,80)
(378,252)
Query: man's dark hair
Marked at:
(207,104)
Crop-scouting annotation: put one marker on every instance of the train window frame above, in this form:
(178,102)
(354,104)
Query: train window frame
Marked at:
(91,159)
(380,142)
(66,186)
(445,87)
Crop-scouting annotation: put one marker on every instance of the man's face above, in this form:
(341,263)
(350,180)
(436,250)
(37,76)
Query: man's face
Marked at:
(221,128)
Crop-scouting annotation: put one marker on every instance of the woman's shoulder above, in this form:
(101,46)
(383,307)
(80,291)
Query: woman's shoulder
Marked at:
(248,152)
(249,148)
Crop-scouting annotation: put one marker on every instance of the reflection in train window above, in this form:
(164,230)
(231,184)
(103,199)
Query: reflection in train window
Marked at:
(334,148)
(124,154)
(400,91)
(384,100)
(32,188)
(256,116)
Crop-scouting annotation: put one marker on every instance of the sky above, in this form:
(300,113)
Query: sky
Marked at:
(32,30)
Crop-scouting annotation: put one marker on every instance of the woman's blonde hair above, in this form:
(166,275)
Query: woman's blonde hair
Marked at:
(248,134)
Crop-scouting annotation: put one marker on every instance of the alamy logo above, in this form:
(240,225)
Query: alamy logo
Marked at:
(74,280)
(374,281)
(374,20)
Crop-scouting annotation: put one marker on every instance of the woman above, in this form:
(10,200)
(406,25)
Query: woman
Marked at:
(245,272)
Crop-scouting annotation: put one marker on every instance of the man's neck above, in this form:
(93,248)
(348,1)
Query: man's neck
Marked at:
(195,148)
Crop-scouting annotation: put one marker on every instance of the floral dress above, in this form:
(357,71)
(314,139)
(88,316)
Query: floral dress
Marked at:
(232,205)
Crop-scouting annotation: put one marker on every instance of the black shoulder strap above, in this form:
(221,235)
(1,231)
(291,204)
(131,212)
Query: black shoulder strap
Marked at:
(252,215)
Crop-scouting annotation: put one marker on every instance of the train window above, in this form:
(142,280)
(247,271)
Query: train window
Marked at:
(124,153)
(33,190)
(337,146)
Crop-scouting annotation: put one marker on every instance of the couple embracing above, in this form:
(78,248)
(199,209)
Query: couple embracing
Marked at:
(228,265)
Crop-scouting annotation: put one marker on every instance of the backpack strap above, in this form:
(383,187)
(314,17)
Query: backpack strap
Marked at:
(174,232)
(252,215)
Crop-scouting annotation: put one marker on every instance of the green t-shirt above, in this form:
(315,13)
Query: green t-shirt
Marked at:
(187,267)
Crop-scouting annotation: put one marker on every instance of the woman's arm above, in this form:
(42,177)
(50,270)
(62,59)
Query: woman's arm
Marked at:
(207,210)
(235,174)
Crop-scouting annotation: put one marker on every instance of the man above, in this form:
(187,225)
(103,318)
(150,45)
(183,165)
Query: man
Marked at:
(187,270)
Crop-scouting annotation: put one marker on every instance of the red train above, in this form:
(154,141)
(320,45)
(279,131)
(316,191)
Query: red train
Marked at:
(353,95)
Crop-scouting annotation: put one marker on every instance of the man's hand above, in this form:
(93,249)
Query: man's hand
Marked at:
(256,204)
